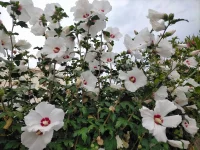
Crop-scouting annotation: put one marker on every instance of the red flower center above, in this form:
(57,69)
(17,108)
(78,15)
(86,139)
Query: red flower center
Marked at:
(102,10)
(112,36)
(132,79)
(45,122)
(186,124)
(95,67)
(66,57)
(86,15)
(84,82)
(2,43)
(109,59)
(56,49)
(188,62)
(19,8)
(158,119)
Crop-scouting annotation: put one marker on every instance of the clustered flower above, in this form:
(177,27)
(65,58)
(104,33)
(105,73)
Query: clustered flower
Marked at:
(61,48)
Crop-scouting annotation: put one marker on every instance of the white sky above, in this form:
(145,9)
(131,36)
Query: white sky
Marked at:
(127,15)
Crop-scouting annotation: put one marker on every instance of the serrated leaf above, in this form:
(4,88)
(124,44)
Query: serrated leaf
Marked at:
(82,132)
(121,122)
(4,4)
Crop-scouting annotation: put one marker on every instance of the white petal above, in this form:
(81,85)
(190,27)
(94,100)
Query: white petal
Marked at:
(164,107)
(147,120)
(33,118)
(47,137)
(130,86)
(160,133)
(122,75)
(35,142)
(172,121)
(44,109)
(182,144)
(57,115)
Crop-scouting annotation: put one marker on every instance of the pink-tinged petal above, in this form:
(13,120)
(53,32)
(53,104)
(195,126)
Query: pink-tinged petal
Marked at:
(148,118)
(33,118)
(182,144)
(172,121)
(164,107)
(160,133)
(34,141)
(44,109)
(123,75)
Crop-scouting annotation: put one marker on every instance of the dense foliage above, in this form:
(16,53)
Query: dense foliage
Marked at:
(83,96)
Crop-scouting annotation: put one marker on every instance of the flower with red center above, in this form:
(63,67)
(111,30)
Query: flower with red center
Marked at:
(94,65)
(156,120)
(40,125)
(54,47)
(108,57)
(5,42)
(102,7)
(133,79)
(191,62)
(24,6)
(88,80)
(190,125)
(114,34)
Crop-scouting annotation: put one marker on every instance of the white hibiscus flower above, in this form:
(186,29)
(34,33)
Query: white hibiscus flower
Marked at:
(190,125)
(182,144)
(156,120)
(133,79)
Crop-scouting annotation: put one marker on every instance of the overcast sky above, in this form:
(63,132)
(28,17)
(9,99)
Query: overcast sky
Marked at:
(127,15)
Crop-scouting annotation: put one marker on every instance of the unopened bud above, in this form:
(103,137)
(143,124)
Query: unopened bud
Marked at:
(99,140)
(182,46)
(112,108)
(169,33)
(78,82)
(110,47)
(193,53)
(136,33)
(171,16)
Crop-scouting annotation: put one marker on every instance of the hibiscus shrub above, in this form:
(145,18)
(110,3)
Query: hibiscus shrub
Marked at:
(84,96)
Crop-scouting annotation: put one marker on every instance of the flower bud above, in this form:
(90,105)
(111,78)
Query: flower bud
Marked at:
(196,52)
(171,16)
(110,47)
(99,140)
(135,32)
(182,46)
(78,82)
(112,108)
(169,33)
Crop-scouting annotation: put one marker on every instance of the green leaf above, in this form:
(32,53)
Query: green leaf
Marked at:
(110,143)
(197,90)
(12,145)
(82,132)
(4,4)
(22,24)
(121,122)
(68,143)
